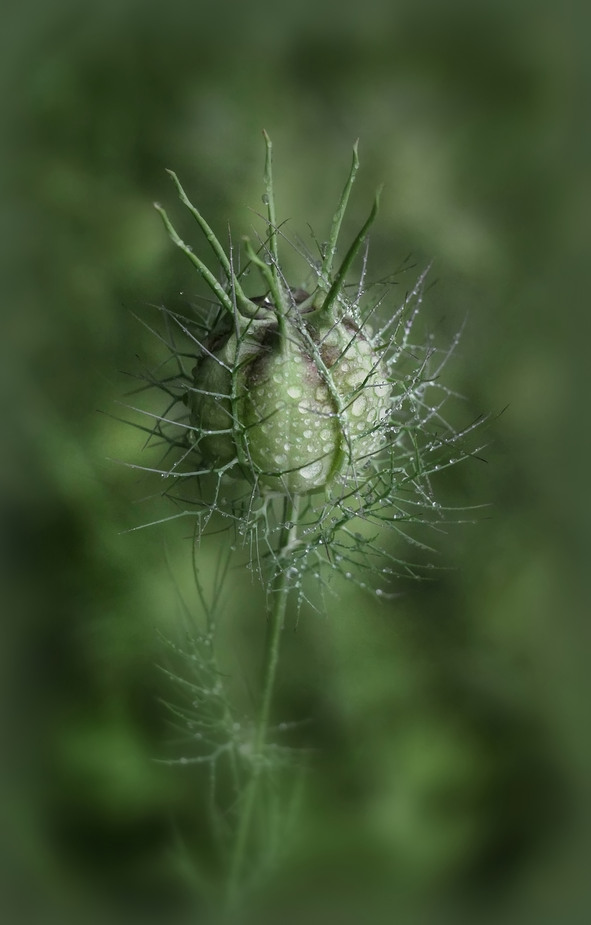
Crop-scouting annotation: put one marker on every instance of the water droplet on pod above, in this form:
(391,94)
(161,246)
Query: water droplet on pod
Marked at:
(312,471)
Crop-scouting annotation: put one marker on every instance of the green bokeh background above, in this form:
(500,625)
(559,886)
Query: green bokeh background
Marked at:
(450,727)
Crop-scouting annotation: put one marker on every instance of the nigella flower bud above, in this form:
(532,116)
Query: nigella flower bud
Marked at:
(295,403)
(290,402)
(289,391)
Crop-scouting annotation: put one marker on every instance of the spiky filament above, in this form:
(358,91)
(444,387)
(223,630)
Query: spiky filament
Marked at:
(245,306)
(203,269)
(335,228)
(269,275)
(326,310)
(233,297)
(272,221)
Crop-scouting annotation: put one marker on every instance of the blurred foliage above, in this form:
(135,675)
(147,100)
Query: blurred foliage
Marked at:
(449,729)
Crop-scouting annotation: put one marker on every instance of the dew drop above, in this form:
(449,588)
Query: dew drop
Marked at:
(356,378)
(312,471)
(359,406)
(307,434)
(265,199)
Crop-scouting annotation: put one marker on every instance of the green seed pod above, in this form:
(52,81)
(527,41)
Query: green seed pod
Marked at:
(289,391)
(296,407)
(289,422)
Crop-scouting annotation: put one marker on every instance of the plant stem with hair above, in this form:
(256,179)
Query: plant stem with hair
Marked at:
(280,593)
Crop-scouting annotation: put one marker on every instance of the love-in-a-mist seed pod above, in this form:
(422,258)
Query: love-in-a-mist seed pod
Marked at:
(291,391)
(295,404)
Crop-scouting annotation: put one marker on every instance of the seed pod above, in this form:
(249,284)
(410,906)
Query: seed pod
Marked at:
(291,392)
(294,407)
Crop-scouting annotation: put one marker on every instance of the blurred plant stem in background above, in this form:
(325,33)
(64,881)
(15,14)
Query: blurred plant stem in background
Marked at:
(451,726)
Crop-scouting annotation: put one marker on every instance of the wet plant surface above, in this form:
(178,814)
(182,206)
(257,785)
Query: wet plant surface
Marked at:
(444,719)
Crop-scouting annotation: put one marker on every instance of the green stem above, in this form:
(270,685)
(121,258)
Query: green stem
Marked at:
(275,623)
